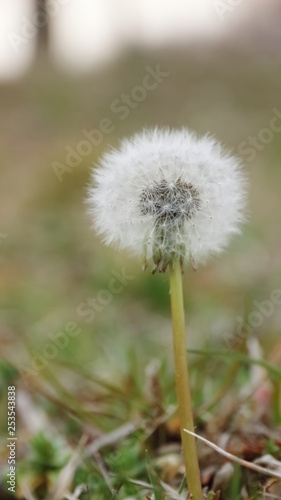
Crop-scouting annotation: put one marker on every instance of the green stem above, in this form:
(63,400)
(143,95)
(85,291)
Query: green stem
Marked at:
(182,382)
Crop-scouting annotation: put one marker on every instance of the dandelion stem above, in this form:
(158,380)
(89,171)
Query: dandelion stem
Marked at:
(182,382)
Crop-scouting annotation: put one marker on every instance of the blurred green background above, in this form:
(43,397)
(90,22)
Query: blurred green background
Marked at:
(51,260)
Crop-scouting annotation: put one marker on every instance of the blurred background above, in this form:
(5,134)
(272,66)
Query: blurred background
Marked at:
(76,76)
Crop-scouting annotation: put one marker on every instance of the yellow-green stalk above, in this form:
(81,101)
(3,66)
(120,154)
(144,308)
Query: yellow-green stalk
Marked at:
(183,383)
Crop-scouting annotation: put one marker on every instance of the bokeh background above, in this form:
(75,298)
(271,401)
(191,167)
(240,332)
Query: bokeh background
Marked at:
(65,67)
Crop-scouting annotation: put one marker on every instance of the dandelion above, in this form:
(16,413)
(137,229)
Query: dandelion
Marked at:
(170,197)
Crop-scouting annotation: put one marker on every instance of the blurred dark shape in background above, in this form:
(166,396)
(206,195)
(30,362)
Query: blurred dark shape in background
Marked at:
(43,29)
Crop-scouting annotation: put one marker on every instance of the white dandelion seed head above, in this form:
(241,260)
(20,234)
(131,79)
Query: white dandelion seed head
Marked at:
(167,194)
